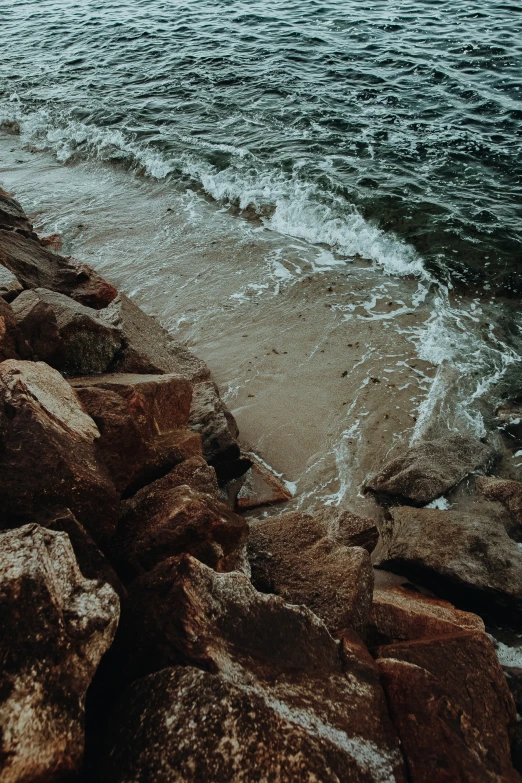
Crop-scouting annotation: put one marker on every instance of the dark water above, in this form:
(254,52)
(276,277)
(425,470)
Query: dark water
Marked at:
(389,128)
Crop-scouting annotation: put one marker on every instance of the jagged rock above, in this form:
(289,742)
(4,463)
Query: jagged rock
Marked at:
(193,472)
(297,556)
(147,347)
(164,519)
(9,285)
(467,558)
(12,216)
(12,343)
(54,628)
(430,468)
(36,267)
(509,493)
(36,320)
(142,420)
(47,452)
(280,700)
(451,707)
(347,528)
(399,614)
(87,345)
(261,487)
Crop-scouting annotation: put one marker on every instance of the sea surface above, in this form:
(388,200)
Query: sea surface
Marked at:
(323,198)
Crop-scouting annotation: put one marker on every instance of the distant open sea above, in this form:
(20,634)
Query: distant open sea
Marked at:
(389,129)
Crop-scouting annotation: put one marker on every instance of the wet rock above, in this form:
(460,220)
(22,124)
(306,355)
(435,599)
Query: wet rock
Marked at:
(165,519)
(401,614)
(430,468)
(261,487)
(509,493)
(55,625)
(451,707)
(47,451)
(147,347)
(297,556)
(87,345)
(467,558)
(37,267)
(12,216)
(142,421)
(37,323)
(279,699)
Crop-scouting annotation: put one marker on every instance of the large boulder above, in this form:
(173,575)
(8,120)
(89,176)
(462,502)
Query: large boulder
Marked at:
(36,320)
(12,216)
(451,707)
(166,518)
(430,468)
(47,451)
(465,557)
(509,493)
(261,487)
(10,287)
(12,342)
(142,420)
(37,267)
(296,556)
(55,625)
(279,699)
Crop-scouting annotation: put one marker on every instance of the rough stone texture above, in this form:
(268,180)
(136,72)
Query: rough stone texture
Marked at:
(165,519)
(54,628)
(12,216)
(509,493)
(88,346)
(261,487)
(193,472)
(47,451)
(142,421)
(280,701)
(430,468)
(400,614)
(36,320)
(9,285)
(347,528)
(461,556)
(296,556)
(12,343)
(147,347)
(452,708)
(37,267)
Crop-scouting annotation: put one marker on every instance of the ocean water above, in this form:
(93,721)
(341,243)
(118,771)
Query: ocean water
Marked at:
(298,191)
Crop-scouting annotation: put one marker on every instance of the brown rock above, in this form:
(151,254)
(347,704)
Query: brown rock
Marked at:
(37,267)
(430,468)
(461,556)
(54,628)
(509,493)
(12,216)
(261,487)
(452,708)
(193,472)
(37,323)
(9,285)
(400,614)
(47,452)
(11,340)
(347,528)
(278,701)
(296,556)
(142,421)
(162,520)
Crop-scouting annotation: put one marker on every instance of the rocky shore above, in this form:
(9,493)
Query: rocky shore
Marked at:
(151,631)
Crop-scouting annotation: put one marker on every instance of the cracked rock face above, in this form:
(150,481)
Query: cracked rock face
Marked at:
(55,625)
(278,700)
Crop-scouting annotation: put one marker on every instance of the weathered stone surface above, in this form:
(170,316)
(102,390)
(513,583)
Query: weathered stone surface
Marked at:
(400,614)
(54,628)
(261,487)
(88,346)
(47,452)
(193,472)
(280,701)
(461,556)
(509,493)
(142,421)
(452,708)
(37,323)
(296,556)
(164,519)
(347,528)
(9,285)
(11,340)
(37,267)
(12,216)
(428,469)
(147,347)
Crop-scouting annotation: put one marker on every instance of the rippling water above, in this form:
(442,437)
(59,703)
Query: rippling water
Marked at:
(390,129)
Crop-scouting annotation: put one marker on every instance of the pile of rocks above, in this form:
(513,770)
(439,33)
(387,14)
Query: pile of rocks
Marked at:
(148,632)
